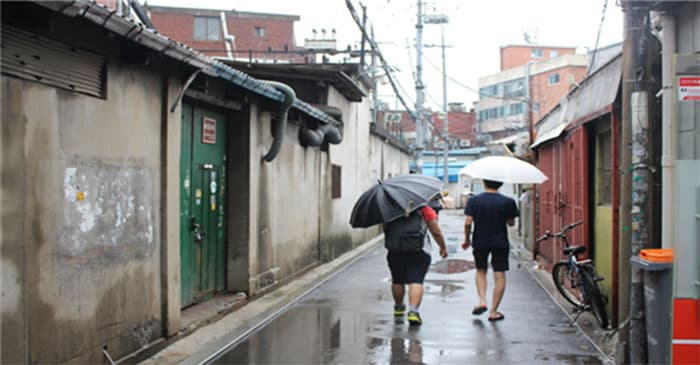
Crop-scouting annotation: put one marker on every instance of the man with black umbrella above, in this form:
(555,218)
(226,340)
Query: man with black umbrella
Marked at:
(400,204)
(409,258)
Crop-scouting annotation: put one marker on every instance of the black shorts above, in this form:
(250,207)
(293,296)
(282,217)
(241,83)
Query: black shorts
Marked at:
(499,258)
(408,267)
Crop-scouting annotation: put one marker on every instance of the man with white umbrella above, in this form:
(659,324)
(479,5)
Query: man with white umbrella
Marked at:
(490,212)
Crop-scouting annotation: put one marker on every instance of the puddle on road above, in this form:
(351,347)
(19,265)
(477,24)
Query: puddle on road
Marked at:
(569,358)
(451,266)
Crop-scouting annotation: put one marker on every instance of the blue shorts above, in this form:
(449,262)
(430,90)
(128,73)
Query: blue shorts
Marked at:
(499,258)
(408,267)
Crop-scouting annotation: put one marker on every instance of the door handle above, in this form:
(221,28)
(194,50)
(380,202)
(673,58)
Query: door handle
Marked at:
(197,229)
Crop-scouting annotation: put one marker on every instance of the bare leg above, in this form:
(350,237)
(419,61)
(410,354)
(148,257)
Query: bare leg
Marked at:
(499,287)
(415,295)
(398,291)
(481,285)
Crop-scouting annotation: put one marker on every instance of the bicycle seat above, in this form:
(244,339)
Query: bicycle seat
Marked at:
(574,249)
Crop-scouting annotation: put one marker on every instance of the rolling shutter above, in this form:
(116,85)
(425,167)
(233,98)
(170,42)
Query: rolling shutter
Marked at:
(36,58)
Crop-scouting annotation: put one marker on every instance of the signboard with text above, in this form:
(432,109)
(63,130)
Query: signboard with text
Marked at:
(688,88)
(208,130)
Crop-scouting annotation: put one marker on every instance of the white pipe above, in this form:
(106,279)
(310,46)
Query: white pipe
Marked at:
(224,28)
(668,134)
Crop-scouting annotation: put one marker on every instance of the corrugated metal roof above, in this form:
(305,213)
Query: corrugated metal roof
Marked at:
(595,93)
(127,28)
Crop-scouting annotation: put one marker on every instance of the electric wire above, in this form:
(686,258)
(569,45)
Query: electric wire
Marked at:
(597,38)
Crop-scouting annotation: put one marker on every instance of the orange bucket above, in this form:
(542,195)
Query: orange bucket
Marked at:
(657,254)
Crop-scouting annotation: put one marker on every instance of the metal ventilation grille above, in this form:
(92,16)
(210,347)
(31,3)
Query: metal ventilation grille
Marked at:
(36,58)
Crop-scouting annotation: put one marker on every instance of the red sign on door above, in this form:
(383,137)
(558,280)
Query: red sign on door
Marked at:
(208,130)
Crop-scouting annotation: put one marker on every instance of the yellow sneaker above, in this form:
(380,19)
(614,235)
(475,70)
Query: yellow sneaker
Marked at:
(399,310)
(414,319)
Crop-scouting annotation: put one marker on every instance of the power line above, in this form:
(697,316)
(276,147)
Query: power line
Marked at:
(597,38)
(385,64)
(479,93)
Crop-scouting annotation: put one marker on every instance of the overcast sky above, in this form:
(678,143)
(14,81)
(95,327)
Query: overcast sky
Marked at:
(476,31)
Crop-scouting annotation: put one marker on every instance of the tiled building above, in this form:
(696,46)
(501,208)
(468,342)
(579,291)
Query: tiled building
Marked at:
(502,108)
(230,33)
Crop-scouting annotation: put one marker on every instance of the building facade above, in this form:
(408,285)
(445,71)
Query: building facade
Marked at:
(153,178)
(547,72)
(230,34)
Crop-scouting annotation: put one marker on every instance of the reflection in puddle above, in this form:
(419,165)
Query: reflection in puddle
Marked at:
(452,266)
(446,287)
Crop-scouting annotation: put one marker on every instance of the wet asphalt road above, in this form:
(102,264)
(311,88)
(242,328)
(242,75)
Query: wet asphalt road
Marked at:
(349,320)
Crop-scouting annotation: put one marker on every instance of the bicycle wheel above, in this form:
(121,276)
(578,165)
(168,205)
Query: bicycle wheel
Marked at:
(566,280)
(595,296)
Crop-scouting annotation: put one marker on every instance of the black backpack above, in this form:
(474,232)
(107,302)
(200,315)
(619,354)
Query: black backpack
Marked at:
(406,234)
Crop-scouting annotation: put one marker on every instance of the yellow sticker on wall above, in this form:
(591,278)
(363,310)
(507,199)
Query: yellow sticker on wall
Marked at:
(213,203)
(80,196)
(198,193)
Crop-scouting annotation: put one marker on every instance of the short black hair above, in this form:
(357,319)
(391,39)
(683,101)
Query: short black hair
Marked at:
(491,184)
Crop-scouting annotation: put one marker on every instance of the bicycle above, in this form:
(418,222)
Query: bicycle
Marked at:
(576,280)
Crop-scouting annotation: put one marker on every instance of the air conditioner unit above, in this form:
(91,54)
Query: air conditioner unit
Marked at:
(465,143)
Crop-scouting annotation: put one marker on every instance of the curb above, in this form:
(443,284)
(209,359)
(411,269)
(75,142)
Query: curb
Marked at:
(208,342)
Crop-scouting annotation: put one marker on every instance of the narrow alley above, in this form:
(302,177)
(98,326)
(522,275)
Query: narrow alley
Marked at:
(348,320)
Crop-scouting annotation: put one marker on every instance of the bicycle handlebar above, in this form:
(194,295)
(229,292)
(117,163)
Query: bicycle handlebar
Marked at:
(549,234)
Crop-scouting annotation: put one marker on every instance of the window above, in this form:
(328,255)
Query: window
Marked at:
(605,168)
(536,53)
(553,54)
(260,32)
(515,109)
(335,181)
(514,88)
(488,91)
(553,79)
(207,29)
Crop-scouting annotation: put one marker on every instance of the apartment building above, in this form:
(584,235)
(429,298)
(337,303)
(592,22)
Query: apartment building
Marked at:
(548,73)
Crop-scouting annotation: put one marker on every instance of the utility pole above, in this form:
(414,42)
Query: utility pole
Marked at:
(442,19)
(373,68)
(364,39)
(635,190)
(420,125)
(445,169)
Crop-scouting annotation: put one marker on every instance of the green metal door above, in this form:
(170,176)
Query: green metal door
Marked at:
(202,220)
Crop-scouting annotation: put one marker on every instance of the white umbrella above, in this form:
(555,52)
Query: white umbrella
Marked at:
(504,169)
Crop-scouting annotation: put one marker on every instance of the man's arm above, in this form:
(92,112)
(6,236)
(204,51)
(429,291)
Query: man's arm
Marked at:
(437,235)
(467,230)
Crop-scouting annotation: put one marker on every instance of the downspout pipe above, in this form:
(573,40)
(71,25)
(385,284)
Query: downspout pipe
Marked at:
(224,29)
(280,118)
(668,134)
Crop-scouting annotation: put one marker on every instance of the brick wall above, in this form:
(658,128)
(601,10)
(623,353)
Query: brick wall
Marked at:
(516,56)
(277,33)
(548,96)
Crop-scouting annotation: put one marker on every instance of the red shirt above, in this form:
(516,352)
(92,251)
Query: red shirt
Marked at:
(428,213)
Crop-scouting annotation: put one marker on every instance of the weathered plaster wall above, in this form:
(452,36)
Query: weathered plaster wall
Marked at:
(294,220)
(284,212)
(81,222)
(364,158)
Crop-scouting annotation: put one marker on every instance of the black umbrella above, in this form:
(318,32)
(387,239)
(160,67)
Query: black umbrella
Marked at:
(392,198)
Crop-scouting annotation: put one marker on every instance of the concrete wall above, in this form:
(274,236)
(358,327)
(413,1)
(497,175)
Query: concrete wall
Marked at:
(294,221)
(81,227)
